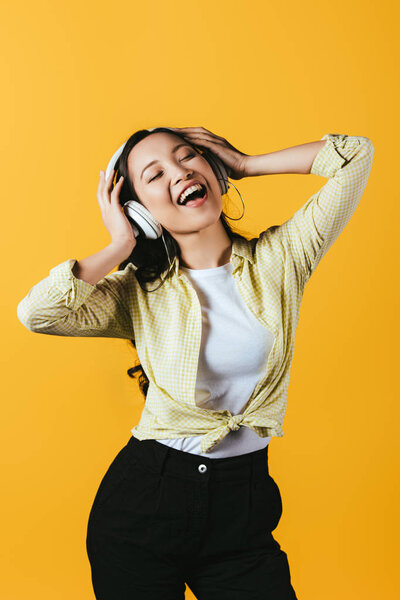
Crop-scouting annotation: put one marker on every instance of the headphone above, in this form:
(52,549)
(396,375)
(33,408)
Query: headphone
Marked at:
(137,213)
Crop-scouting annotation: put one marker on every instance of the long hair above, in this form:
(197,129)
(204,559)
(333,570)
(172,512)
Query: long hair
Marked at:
(149,256)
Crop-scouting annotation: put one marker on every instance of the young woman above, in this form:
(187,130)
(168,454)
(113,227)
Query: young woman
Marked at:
(189,499)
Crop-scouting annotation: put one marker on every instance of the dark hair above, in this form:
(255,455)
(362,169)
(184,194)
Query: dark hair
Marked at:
(149,256)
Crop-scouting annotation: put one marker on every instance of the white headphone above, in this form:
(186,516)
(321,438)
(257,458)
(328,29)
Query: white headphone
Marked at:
(138,214)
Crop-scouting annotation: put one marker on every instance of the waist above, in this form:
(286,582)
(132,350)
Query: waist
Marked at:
(159,458)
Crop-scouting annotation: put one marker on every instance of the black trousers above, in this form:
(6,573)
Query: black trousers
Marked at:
(162,518)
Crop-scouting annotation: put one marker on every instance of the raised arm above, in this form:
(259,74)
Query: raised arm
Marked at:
(64,304)
(311,231)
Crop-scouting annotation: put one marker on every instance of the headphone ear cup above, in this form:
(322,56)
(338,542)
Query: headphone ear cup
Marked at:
(143,218)
(137,214)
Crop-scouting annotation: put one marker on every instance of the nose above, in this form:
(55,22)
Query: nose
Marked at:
(183,174)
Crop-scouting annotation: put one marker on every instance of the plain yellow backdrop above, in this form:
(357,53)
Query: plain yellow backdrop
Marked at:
(78,78)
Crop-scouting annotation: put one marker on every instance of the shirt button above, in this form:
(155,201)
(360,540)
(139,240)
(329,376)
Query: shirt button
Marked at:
(202,468)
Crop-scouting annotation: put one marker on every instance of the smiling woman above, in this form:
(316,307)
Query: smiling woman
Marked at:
(160,183)
(157,170)
(216,341)
(157,167)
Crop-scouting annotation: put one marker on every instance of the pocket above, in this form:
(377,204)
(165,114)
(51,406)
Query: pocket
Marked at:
(266,504)
(278,500)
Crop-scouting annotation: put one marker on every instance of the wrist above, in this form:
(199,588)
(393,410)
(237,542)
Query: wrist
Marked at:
(244,169)
(121,249)
(250,165)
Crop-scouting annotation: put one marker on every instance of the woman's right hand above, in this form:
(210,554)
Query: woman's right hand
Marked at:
(114,218)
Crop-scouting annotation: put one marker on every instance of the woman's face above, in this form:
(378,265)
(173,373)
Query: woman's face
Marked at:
(159,185)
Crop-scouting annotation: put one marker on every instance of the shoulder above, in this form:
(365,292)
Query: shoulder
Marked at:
(262,248)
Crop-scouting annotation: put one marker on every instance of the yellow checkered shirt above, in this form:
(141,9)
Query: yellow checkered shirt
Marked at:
(270,271)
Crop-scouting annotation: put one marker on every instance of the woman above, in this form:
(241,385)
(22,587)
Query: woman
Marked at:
(189,499)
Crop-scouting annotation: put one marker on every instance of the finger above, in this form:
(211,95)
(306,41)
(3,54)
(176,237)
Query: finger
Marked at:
(194,129)
(200,130)
(117,188)
(206,135)
(204,141)
(100,190)
(105,186)
(100,180)
(103,182)
(109,180)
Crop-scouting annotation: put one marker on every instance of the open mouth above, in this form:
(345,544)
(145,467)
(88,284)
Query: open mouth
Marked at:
(195,198)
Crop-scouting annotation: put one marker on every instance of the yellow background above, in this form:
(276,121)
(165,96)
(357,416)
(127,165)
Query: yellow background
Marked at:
(77,79)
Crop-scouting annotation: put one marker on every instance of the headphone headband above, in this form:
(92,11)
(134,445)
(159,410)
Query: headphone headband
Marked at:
(114,159)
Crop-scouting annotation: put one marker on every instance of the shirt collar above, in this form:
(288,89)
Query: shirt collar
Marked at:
(241,247)
(244,248)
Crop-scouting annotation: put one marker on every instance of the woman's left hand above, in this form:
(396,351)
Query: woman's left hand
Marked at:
(233,159)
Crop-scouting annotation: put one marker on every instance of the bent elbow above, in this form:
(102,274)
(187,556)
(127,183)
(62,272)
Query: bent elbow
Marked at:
(23,317)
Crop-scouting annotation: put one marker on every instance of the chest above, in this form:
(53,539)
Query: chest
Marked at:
(170,327)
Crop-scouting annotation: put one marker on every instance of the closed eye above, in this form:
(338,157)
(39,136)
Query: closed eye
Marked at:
(158,174)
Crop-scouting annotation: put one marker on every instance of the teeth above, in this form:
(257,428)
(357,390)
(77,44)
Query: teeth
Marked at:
(188,191)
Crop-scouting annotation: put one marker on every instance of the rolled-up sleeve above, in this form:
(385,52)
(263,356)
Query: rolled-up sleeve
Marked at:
(62,304)
(311,231)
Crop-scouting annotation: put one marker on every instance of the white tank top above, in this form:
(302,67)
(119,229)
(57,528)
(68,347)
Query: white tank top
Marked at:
(233,356)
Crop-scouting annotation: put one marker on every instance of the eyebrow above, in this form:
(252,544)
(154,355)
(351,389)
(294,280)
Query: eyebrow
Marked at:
(155,161)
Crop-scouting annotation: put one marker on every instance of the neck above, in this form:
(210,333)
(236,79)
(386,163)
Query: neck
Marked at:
(205,249)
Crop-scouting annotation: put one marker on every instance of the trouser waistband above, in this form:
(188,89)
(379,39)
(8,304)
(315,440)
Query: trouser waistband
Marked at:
(160,458)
